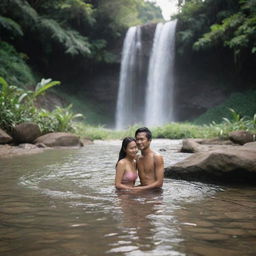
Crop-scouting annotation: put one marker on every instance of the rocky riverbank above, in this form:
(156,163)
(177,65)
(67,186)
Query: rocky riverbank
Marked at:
(26,138)
(217,161)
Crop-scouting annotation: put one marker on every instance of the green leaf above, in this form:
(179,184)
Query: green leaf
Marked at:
(45,85)
(4,86)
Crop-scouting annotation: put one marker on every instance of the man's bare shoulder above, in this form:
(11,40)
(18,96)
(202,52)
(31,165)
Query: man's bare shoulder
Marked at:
(158,157)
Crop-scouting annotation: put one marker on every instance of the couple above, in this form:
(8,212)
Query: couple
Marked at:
(149,165)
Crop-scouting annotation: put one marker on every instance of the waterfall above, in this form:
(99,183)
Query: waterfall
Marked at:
(159,94)
(146,96)
(128,110)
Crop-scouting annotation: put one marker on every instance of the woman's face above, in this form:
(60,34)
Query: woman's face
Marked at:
(131,149)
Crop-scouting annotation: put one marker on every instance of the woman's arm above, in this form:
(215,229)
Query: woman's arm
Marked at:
(120,169)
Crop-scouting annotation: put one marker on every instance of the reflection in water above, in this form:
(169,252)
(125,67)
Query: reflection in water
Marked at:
(63,203)
(226,225)
(135,217)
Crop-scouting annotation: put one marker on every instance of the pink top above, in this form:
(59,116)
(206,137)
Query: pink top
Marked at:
(129,177)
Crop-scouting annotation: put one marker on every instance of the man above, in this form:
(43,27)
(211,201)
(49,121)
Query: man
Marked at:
(150,164)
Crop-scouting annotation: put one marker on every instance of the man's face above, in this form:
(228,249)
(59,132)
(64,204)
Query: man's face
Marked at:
(142,141)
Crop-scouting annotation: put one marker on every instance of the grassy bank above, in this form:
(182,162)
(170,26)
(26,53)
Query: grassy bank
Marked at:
(175,130)
(242,103)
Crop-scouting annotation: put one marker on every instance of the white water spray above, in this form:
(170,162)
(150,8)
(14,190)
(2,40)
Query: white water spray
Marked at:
(127,104)
(159,94)
(141,100)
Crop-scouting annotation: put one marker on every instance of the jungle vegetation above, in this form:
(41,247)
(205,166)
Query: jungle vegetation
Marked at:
(62,38)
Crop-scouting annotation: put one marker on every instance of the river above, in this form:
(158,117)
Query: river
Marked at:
(63,203)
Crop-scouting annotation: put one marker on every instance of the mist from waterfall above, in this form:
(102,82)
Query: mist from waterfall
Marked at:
(145,94)
(159,94)
(128,99)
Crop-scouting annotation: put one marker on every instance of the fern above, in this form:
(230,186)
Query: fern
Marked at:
(73,42)
(11,26)
(25,12)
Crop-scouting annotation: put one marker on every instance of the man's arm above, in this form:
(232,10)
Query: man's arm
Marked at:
(159,173)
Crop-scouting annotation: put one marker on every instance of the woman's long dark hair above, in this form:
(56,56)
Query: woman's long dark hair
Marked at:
(122,153)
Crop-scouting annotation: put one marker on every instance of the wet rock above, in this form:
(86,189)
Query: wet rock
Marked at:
(26,132)
(59,139)
(202,145)
(4,137)
(190,146)
(241,137)
(27,146)
(232,164)
(251,145)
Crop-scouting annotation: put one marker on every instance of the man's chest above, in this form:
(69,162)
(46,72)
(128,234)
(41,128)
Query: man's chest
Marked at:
(146,165)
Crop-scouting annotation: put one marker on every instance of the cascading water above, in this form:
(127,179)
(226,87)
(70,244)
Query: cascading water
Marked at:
(146,98)
(159,94)
(128,99)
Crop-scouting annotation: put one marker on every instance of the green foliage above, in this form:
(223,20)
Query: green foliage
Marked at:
(123,12)
(77,13)
(192,21)
(13,108)
(94,133)
(234,123)
(244,104)
(237,31)
(17,106)
(14,67)
(23,12)
(94,113)
(11,26)
(174,130)
(99,52)
(44,85)
(71,40)
(59,120)
(183,130)
(148,12)
(80,32)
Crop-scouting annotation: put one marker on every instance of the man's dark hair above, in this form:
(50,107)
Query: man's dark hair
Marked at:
(146,130)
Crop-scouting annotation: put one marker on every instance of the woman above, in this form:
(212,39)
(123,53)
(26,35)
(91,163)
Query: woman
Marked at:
(126,170)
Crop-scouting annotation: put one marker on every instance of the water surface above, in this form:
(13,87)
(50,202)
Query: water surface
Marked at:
(63,203)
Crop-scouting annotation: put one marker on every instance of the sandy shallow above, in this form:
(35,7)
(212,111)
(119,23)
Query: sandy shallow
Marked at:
(7,151)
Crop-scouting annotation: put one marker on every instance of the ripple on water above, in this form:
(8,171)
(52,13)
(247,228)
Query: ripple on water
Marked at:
(74,201)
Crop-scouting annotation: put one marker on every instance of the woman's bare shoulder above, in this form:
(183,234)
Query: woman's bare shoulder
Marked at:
(121,163)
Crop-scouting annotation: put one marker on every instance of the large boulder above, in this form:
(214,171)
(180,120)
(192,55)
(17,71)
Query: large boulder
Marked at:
(4,137)
(201,145)
(251,145)
(59,139)
(26,132)
(241,137)
(231,164)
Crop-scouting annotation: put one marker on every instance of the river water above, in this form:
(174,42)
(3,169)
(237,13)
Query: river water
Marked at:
(63,203)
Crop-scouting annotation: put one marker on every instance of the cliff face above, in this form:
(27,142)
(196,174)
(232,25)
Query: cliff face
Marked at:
(201,79)
(102,83)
